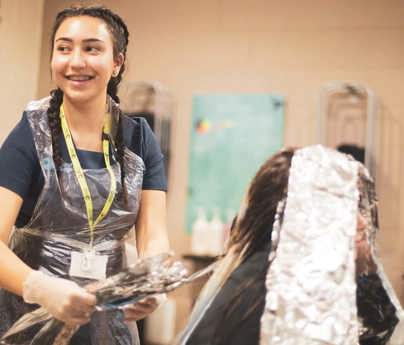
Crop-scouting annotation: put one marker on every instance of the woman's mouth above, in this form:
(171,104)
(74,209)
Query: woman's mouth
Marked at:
(79,79)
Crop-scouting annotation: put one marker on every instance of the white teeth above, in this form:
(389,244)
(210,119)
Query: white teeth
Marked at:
(78,78)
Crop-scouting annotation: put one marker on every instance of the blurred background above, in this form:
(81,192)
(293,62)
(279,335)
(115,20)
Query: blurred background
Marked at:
(322,71)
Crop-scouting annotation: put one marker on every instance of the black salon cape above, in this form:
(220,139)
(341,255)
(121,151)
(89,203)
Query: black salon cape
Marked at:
(235,314)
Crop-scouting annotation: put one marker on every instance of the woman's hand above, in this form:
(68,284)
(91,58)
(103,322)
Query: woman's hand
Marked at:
(144,307)
(62,298)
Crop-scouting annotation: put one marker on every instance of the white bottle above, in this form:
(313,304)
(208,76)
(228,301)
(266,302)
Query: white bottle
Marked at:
(199,236)
(216,234)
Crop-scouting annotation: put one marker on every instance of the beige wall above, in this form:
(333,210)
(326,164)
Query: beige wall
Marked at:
(20,43)
(286,47)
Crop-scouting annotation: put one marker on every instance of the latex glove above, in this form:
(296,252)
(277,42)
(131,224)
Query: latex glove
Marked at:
(144,307)
(62,298)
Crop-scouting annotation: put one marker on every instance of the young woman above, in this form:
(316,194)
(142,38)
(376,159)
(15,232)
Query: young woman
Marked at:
(76,175)
(288,276)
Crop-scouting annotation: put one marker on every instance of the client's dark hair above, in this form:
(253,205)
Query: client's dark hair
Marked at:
(253,229)
(357,152)
(251,233)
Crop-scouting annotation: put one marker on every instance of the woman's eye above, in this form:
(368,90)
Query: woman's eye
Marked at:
(63,49)
(92,49)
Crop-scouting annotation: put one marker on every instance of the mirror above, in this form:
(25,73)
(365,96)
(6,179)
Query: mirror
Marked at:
(347,120)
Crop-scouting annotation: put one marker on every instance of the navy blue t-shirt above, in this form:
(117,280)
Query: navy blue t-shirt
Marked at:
(21,173)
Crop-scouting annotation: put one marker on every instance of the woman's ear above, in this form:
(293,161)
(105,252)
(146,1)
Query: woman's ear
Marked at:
(119,60)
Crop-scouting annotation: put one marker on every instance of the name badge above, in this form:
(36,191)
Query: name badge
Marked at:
(88,265)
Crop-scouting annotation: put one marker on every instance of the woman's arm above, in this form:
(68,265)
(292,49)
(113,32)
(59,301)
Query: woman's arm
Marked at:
(151,239)
(13,271)
(151,224)
(64,299)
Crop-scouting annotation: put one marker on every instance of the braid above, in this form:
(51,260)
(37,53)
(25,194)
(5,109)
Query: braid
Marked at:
(54,124)
(112,88)
(56,130)
(120,148)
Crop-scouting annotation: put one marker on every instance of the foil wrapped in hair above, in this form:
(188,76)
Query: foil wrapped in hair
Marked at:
(320,289)
(145,278)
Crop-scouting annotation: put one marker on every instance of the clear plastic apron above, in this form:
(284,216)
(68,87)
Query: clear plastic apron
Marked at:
(59,225)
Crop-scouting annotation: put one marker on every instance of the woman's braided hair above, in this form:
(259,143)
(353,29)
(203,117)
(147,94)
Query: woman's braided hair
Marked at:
(120,38)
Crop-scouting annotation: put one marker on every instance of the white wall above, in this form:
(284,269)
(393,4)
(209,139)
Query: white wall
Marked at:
(20,43)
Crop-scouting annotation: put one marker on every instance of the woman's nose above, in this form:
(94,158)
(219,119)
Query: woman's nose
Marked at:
(77,59)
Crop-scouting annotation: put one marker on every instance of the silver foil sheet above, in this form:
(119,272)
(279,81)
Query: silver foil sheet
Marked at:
(311,284)
(147,277)
(321,287)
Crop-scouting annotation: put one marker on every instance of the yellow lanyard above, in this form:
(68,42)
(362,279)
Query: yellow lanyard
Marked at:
(78,171)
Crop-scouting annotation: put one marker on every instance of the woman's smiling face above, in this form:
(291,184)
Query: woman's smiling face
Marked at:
(83,58)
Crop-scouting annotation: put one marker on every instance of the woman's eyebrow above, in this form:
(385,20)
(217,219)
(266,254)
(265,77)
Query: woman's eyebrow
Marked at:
(64,39)
(87,40)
